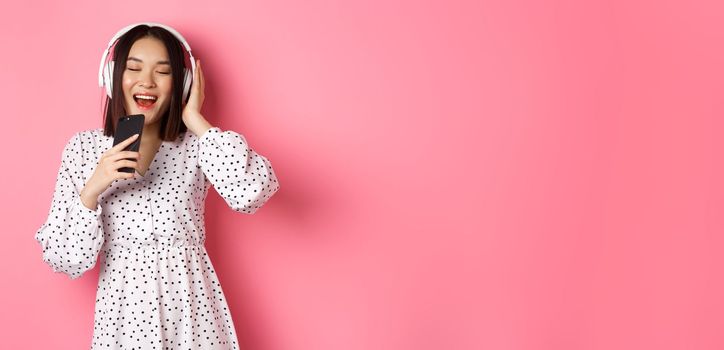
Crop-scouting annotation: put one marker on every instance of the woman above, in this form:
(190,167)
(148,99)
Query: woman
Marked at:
(157,288)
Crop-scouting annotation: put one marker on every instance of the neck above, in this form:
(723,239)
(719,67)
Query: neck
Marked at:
(150,133)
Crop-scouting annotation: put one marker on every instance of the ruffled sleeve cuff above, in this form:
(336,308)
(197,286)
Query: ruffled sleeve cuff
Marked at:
(86,212)
(208,135)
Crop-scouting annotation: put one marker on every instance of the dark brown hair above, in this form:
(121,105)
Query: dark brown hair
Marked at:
(171,122)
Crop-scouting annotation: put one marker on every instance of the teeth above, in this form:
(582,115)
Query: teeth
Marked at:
(146,97)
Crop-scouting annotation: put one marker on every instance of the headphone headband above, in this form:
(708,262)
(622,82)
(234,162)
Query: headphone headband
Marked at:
(150,24)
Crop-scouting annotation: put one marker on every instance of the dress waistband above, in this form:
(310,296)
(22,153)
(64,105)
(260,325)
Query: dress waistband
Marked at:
(116,248)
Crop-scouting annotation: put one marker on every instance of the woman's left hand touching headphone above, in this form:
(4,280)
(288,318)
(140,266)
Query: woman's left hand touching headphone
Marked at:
(191,114)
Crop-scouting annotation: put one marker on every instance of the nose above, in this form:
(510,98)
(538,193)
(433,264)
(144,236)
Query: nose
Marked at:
(146,80)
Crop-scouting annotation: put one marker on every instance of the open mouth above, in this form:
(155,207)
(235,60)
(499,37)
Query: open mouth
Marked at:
(145,101)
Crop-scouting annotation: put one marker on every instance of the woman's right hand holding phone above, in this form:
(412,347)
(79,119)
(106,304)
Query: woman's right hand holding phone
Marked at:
(107,171)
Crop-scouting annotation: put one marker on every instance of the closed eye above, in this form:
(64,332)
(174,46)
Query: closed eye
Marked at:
(136,70)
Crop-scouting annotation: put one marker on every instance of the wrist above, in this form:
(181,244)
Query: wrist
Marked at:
(198,125)
(88,195)
(89,201)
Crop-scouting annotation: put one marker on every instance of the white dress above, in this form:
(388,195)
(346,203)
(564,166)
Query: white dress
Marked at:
(157,288)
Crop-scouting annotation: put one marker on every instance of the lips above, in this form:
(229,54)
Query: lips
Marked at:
(145,95)
(145,101)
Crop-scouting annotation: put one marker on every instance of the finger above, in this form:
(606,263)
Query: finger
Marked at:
(126,154)
(194,82)
(125,163)
(123,175)
(201,74)
(121,145)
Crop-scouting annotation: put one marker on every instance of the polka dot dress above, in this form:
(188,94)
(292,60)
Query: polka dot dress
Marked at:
(157,288)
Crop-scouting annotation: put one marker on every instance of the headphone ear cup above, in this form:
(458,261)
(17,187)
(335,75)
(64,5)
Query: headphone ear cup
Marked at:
(187,85)
(108,79)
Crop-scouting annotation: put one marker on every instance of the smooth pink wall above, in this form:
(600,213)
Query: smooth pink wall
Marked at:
(454,174)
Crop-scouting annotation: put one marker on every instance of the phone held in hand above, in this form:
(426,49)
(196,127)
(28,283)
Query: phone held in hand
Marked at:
(128,126)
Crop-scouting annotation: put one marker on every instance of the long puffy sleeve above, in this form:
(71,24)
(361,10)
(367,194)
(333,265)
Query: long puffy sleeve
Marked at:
(72,235)
(244,178)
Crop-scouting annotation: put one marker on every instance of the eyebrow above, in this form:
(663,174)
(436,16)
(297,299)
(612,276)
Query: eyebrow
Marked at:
(139,60)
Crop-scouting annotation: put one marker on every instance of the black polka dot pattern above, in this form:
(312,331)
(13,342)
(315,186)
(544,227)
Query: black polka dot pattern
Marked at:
(157,287)
(241,176)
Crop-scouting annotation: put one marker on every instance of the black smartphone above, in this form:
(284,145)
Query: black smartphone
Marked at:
(128,126)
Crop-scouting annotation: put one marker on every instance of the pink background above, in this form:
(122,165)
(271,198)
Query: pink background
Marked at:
(454,174)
